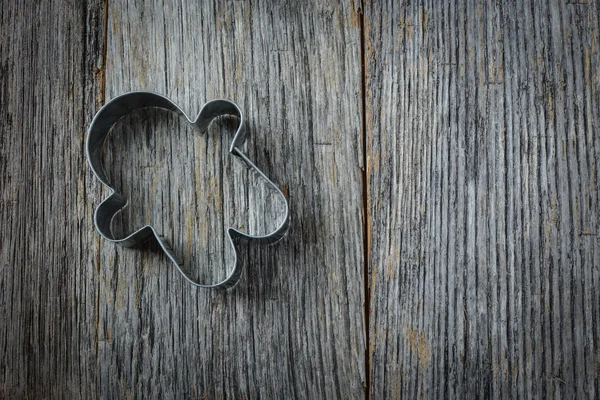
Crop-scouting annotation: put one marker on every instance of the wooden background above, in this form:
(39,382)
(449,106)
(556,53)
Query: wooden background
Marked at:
(442,164)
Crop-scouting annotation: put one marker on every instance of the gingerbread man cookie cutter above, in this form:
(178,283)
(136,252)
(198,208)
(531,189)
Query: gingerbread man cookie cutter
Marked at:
(99,130)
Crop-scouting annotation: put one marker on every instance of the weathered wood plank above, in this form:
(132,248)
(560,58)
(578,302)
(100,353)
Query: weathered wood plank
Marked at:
(48,248)
(294,327)
(483,159)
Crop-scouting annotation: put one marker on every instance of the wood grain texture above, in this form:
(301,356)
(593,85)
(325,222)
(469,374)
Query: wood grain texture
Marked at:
(48,248)
(482,144)
(293,327)
(483,158)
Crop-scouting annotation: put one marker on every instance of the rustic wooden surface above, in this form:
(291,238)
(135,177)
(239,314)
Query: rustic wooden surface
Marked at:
(48,250)
(469,225)
(483,160)
(81,315)
(294,326)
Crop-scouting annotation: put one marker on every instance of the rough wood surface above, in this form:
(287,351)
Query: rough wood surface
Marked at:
(48,249)
(81,318)
(481,189)
(293,328)
(483,162)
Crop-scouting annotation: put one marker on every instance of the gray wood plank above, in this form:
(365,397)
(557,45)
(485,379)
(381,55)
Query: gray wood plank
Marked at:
(483,159)
(293,328)
(48,248)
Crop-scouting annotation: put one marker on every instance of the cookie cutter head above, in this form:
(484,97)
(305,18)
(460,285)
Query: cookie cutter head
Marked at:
(98,131)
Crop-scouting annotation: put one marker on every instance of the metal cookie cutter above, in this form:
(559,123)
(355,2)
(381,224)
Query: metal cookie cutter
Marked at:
(106,211)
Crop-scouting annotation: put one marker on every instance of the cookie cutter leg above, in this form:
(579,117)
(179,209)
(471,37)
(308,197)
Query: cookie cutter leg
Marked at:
(99,129)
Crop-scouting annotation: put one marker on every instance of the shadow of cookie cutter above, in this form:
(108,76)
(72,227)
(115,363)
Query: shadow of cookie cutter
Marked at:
(99,129)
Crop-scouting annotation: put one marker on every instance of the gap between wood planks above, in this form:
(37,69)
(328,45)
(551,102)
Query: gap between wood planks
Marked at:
(102,101)
(366,216)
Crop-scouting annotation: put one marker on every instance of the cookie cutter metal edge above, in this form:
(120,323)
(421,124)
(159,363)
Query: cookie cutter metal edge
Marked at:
(99,130)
